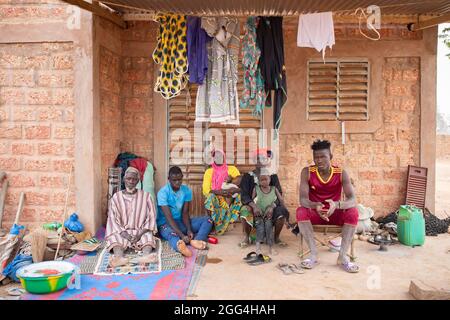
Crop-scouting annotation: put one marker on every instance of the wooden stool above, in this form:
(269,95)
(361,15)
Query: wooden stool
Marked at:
(325,242)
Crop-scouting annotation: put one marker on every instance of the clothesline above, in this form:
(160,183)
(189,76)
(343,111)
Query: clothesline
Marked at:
(246,14)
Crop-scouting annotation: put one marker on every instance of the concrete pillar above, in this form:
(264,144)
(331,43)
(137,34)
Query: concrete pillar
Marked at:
(428,112)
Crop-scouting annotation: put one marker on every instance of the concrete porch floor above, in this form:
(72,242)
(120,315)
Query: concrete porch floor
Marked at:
(232,278)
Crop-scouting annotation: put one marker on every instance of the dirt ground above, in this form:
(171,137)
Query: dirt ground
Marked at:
(383,275)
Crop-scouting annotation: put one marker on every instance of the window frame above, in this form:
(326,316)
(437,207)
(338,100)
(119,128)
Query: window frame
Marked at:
(338,62)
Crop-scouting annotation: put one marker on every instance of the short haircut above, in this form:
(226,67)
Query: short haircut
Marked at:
(173,171)
(321,145)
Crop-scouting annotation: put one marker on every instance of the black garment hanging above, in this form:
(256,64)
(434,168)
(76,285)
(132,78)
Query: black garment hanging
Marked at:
(269,37)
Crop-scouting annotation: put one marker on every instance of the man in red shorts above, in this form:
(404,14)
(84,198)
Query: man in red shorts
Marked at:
(321,188)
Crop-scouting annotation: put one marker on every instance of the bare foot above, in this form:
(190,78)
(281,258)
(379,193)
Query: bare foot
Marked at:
(198,244)
(118,261)
(273,252)
(183,249)
(146,258)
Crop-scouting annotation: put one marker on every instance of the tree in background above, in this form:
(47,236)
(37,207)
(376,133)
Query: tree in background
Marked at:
(446,36)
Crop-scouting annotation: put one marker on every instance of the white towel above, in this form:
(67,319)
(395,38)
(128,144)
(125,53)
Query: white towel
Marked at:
(316,30)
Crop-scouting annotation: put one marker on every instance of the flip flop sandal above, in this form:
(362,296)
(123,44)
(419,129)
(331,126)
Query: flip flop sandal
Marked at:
(296,269)
(261,259)
(308,264)
(15,291)
(350,267)
(284,268)
(250,256)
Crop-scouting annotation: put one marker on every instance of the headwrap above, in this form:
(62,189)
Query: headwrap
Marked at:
(220,173)
(131,171)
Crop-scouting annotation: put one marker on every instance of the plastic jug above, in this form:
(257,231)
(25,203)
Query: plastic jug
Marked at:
(411,226)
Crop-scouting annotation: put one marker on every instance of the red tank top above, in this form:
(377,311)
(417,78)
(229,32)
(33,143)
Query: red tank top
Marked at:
(320,190)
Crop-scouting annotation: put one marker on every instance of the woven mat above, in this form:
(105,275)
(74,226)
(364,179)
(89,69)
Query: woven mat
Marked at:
(200,262)
(168,259)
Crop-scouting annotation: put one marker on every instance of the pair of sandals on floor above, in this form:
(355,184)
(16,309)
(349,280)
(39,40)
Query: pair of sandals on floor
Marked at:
(254,259)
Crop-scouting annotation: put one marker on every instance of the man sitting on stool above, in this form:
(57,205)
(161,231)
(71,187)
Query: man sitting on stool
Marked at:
(321,187)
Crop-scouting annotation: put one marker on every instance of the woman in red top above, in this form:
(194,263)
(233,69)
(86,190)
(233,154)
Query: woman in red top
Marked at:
(321,188)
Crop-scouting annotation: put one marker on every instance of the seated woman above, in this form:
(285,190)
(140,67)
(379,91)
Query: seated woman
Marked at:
(222,206)
(131,222)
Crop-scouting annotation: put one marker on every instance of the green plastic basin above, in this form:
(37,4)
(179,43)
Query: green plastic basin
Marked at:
(45,277)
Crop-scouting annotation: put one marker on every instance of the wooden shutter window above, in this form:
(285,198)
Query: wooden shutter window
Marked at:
(181,115)
(338,90)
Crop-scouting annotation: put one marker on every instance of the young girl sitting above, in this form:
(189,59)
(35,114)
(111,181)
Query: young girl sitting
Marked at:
(265,197)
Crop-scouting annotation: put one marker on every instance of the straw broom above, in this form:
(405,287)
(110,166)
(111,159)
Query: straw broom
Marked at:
(63,229)
(38,245)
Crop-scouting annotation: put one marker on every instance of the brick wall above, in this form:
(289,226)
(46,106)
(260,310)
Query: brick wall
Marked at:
(443,146)
(33,11)
(37,127)
(137,89)
(111,113)
(377,162)
(126,96)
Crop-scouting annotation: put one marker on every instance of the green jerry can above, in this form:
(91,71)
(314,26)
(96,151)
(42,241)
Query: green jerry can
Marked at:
(411,226)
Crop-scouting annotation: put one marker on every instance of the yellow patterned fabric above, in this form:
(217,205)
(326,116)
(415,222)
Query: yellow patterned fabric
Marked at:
(171,54)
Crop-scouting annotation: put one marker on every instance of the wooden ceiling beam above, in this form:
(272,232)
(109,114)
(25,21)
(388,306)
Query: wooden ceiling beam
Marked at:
(428,23)
(98,10)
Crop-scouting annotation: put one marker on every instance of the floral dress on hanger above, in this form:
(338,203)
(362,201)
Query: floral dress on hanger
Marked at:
(217,98)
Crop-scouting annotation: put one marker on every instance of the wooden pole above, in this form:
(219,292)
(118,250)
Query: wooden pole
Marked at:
(20,207)
(2,199)
(428,23)
(64,213)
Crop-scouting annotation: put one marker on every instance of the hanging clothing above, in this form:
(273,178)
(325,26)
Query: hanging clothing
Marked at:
(197,39)
(171,54)
(217,98)
(269,36)
(148,181)
(141,165)
(253,81)
(316,30)
(123,161)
